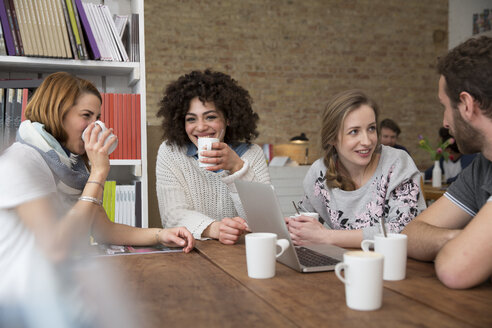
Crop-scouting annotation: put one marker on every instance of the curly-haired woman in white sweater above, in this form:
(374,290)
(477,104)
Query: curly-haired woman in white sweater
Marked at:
(207,104)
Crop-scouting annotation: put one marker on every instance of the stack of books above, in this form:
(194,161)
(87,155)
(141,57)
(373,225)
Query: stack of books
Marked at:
(119,111)
(123,203)
(66,29)
(14,95)
(122,113)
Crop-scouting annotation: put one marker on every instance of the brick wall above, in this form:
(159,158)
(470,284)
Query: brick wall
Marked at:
(293,55)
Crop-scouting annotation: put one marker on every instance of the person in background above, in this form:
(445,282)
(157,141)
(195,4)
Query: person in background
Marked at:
(456,163)
(358,184)
(50,198)
(389,132)
(454,232)
(205,200)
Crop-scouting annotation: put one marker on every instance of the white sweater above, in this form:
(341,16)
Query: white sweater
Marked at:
(193,197)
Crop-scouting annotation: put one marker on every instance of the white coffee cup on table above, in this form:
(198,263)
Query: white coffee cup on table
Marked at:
(313,215)
(363,279)
(261,253)
(394,249)
(103,128)
(205,143)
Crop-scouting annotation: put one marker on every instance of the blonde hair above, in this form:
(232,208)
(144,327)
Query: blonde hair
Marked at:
(54,98)
(333,119)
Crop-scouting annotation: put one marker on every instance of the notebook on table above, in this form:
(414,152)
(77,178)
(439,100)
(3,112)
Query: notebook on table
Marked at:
(263,214)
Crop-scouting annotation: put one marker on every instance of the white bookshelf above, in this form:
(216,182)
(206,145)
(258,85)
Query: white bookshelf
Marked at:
(108,77)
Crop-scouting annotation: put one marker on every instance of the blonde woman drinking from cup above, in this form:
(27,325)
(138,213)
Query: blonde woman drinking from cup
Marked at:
(358,182)
(195,191)
(50,198)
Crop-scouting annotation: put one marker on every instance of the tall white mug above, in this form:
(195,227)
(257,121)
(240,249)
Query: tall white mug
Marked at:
(394,249)
(103,128)
(205,144)
(261,253)
(363,279)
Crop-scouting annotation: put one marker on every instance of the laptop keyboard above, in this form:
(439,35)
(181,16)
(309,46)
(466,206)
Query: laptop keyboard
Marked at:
(310,258)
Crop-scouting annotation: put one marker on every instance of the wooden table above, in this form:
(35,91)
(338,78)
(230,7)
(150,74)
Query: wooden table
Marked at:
(210,288)
(433,193)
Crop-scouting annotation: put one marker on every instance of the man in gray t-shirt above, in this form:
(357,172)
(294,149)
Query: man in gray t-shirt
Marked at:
(456,230)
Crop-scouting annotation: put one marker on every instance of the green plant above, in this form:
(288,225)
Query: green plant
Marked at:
(436,153)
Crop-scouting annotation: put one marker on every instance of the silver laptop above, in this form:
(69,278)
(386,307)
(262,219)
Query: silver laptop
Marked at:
(263,214)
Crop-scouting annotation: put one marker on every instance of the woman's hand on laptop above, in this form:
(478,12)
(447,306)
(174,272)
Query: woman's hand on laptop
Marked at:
(305,230)
(228,230)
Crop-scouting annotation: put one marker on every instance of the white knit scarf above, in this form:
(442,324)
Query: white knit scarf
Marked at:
(70,171)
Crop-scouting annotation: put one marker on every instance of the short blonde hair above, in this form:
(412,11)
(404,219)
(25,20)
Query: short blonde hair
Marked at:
(54,98)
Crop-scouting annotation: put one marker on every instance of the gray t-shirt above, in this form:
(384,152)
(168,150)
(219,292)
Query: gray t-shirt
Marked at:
(392,193)
(473,187)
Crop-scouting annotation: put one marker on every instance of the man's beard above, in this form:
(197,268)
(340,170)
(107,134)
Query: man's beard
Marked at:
(468,139)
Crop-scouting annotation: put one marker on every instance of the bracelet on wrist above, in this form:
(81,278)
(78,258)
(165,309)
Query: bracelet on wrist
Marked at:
(91,200)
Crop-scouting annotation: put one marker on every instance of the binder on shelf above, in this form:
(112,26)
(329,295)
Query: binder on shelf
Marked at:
(32,27)
(106,33)
(114,34)
(63,28)
(112,200)
(120,118)
(134,126)
(7,33)
(139,130)
(55,29)
(79,27)
(12,28)
(60,41)
(95,54)
(26,97)
(120,22)
(108,199)
(138,204)
(94,20)
(9,133)
(2,118)
(127,122)
(17,110)
(111,121)
(18,11)
(37,10)
(68,25)
(3,50)
(15,22)
(75,30)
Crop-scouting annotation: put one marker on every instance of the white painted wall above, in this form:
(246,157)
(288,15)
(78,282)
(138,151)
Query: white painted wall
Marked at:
(460,22)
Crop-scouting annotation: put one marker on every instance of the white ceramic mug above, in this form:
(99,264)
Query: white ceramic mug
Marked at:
(394,249)
(261,253)
(205,144)
(310,214)
(103,128)
(313,215)
(363,279)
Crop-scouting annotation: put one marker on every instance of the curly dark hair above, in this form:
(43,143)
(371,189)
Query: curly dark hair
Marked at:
(218,88)
(468,67)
